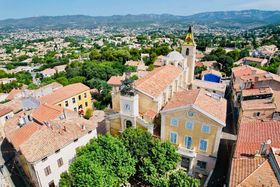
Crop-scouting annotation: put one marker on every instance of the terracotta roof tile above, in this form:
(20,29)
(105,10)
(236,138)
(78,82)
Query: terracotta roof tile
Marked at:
(201,99)
(5,110)
(242,168)
(157,80)
(115,80)
(252,134)
(47,140)
(21,135)
(64,93)
(46,112)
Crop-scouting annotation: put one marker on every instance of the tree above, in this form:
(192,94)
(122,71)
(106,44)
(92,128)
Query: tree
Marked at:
(227,64)
(235,55)
(77,79)
(62,80)
(102,162)
(88,113)
(95,55)
(154,158)
(180,178)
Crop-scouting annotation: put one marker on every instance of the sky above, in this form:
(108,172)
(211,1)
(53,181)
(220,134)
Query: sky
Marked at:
(32,8)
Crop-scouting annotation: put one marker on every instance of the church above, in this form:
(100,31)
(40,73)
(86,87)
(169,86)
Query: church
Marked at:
(154,101)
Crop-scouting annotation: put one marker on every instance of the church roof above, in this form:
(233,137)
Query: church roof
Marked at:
(157,80)
(175,56)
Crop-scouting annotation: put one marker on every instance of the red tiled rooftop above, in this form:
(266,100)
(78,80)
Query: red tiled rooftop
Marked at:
(201,99)
(157,80)
(252,134)
(4,111)
(64,93)
(115,80)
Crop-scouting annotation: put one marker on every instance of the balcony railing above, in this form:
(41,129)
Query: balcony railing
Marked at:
(186,152)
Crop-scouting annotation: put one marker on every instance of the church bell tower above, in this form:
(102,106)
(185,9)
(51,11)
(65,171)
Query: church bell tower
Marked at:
(189,53)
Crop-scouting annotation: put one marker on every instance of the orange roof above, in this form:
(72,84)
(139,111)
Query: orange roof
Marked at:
(252,59)
(242,168)
(151,114)
(64,93)
(115,80)
(47,140)
(46,112)
(156,81)
(48,71)
(201,99)
(257,104)
(19,136)
(13,93)
(252,134)
(245,70)
(5,110)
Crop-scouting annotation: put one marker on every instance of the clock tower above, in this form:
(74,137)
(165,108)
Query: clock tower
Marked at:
(189,53)
(129,105)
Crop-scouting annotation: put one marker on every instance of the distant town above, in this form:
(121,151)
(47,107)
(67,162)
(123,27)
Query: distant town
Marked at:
(194,105)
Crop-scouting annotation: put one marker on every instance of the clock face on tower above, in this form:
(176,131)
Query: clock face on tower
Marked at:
(126,107)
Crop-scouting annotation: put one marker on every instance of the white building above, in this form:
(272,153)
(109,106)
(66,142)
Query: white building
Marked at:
(46,140)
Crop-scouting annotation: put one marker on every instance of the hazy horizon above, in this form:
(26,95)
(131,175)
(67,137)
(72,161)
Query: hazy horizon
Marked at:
(14,9)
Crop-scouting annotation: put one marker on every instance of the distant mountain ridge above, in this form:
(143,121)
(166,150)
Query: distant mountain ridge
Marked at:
(226,19)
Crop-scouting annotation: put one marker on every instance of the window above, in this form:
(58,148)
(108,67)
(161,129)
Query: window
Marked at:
(81,106)
(187,52)
(75,109)
(203,145)
(174,122)
(76,140)
(86,104)
(66,103)
(47,170)
(256,114)
(205,128)
(190,114)
(189,125)
(59,105)
(201,164)
(188,142)
(80,97)
(57,151)
(73,100)
(173,137)
(85,95)
(60,162)
(51,184)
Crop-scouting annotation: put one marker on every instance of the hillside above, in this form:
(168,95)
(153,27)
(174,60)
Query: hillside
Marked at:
(228,19)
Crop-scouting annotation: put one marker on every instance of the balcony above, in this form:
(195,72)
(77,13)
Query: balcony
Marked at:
(186,152)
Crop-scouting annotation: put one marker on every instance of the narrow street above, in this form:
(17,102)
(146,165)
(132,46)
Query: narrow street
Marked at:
(9,173)
(221,171)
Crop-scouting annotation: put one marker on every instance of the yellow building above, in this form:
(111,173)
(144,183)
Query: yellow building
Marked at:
(193,120)
(152,91)
(75,97)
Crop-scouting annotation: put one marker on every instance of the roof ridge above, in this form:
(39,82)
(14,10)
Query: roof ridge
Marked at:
(265,160)
(199,91)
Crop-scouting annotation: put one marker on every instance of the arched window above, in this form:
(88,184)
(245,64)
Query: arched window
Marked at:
(128,124)
(187,51)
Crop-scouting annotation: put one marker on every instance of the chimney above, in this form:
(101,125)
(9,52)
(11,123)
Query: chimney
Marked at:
(264,149)
(64,128)
(83,127)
